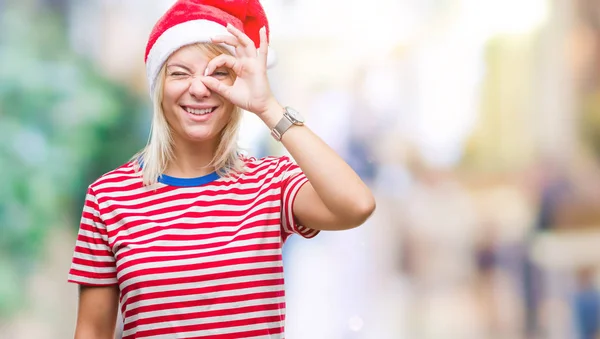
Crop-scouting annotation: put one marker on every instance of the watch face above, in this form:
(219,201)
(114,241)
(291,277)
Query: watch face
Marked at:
(295,115)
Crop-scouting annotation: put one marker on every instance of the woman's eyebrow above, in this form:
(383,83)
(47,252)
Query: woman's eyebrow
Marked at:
(180,66)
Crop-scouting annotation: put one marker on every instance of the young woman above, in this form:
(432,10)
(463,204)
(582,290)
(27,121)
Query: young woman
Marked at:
(187,237)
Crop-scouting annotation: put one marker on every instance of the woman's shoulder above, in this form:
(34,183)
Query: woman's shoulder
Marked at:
(124,174)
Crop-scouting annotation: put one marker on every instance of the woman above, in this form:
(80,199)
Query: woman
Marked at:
(187,236)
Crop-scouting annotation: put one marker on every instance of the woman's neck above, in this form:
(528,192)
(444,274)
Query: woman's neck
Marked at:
(191,160)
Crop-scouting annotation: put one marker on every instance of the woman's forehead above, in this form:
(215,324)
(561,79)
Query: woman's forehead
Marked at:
(189,55)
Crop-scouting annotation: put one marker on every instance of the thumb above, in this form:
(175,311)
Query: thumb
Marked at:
(217,86)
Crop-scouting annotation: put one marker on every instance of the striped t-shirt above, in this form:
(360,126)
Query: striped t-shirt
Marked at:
(193,258)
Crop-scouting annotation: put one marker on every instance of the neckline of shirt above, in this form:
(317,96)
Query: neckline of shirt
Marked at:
(188,182)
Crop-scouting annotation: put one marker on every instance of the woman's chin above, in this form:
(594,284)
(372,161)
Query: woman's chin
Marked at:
(199,134)
(198,138)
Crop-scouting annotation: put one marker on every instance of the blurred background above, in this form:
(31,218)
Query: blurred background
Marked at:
(475,122)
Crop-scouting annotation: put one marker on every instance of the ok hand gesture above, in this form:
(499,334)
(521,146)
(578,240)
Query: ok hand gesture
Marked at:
(251,90)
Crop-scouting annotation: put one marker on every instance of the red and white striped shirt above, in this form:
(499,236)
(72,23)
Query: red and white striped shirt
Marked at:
(193,258)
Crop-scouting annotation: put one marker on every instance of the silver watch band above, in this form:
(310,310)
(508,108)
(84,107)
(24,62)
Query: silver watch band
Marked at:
(282,126)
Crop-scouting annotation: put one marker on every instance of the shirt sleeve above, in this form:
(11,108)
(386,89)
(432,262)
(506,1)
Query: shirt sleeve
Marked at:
(292,178)
(93,262)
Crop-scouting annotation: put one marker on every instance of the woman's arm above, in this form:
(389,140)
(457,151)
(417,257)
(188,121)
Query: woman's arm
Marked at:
(335,198)
(97,312)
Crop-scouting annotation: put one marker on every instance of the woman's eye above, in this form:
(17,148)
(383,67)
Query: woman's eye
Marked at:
(178,74)
(220,74)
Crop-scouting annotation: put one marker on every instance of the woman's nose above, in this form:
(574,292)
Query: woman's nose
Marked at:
(198,89)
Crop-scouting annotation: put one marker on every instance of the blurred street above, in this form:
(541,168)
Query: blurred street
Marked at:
(476,123)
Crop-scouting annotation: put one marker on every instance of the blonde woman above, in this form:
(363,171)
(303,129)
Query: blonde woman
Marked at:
(187,237)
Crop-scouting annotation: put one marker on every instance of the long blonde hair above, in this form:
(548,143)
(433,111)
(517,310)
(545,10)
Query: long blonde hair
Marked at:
(153,159)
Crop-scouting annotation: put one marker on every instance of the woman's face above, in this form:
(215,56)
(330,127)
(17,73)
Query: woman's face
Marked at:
(194,113)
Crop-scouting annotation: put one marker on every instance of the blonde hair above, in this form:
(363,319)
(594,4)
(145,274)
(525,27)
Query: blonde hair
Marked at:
(153,159)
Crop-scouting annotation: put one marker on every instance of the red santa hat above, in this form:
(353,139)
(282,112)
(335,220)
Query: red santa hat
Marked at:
(192,21)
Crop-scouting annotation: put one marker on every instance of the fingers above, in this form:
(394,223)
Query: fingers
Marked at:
(243,40)
(243,45)
(263,49)
(225,39)
(217,86)
(223,60)
(233,42)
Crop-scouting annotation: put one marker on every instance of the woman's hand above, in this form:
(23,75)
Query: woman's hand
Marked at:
(251,90)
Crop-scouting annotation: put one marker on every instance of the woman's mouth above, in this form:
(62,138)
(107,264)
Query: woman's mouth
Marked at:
(202,111)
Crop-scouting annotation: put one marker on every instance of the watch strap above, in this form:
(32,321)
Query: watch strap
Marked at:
(282,126)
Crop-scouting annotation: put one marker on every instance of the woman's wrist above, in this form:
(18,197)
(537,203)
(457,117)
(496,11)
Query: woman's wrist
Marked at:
(272,114)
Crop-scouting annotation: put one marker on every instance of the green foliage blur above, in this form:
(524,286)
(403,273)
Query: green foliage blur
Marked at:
(62,124)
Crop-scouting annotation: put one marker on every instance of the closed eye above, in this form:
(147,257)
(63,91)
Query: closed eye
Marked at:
(220,73)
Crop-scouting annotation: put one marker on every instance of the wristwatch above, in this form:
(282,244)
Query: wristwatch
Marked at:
(290,118)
